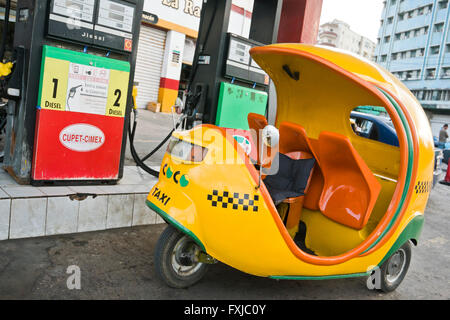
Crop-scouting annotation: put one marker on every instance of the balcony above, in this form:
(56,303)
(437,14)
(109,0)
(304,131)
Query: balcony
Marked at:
(411,5)
(328,34)
(414,23)
(409,44)
(406,64)
(436,38)
(327,44)
(435,104)
(441,16)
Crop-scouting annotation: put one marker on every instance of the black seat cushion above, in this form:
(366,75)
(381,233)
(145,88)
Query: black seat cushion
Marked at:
(290,180)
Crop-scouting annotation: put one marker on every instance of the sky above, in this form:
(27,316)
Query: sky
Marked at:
(363,16)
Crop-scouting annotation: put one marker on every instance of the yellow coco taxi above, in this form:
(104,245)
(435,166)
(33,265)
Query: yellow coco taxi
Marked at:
(340,205)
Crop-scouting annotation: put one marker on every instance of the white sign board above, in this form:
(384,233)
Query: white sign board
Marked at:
(185,13)
(87,90)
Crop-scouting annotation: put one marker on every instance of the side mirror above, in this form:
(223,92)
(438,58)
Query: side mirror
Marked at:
(270,138)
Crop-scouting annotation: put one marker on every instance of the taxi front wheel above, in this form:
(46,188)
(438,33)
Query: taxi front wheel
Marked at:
(176,259)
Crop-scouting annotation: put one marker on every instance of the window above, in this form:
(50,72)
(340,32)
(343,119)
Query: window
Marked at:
(412,53)
(393,2)
(418,74)
(447,48)
(436,95)
(390,20)
(447,95)
(397,36)
(445,72)
(420,94)
(401,16)
(434,50)
(443,4)
(420,11)
(394,56)
(412,75)
(431,73)
(387,39)
(439,27)
(383,58)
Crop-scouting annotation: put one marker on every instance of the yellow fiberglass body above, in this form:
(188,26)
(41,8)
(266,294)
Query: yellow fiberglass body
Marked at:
(216,201)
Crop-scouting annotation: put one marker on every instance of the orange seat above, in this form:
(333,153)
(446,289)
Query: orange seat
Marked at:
(294,141)
(312,198)
(256,123)
(350,188)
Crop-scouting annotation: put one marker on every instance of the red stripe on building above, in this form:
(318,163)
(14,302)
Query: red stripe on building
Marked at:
(169,83)
(241,11)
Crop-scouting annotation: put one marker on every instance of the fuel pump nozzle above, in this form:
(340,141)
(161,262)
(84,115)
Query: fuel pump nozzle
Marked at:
(72,93)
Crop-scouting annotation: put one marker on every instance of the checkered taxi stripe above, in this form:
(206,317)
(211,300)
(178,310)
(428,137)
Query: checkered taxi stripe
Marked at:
(423,186)
(234,200)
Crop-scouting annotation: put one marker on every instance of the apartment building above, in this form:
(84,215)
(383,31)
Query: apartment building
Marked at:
(414,44)
(339,35)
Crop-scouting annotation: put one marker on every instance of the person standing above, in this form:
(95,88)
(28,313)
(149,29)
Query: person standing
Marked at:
(443,135)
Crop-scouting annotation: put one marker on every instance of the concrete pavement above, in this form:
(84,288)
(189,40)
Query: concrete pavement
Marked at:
(118,264)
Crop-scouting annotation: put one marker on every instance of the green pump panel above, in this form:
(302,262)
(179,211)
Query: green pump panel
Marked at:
(236,102)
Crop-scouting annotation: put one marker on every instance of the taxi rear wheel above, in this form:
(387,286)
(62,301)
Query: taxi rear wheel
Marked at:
(394,270)
(176,259)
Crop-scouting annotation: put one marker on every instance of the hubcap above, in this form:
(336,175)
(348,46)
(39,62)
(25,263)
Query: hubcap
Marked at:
(184,257)
(396,266)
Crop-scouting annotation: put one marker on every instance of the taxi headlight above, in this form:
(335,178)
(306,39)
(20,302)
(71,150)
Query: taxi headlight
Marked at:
(186,151)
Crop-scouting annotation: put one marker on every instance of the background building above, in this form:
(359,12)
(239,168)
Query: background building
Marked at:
(414,44)
(338,34)
(167,44)
(168,37)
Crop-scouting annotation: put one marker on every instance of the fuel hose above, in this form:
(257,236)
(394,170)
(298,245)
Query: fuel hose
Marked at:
(140,161)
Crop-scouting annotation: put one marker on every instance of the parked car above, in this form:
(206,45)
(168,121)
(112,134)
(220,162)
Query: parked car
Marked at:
(381,129)
(446,155)
(374,127)
(445,147)
(441,145)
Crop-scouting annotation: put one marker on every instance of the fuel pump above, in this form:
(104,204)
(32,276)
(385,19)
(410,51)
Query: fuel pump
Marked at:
(231,82)
(69,92)
(225,83)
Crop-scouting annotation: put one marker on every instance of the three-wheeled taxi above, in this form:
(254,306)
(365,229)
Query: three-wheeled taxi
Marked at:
(337,205)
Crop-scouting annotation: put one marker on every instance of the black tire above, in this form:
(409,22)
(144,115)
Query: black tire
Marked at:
(170,244)
(394,269)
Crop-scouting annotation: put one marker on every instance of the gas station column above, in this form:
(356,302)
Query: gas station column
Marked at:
(171,70)
(300,21)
